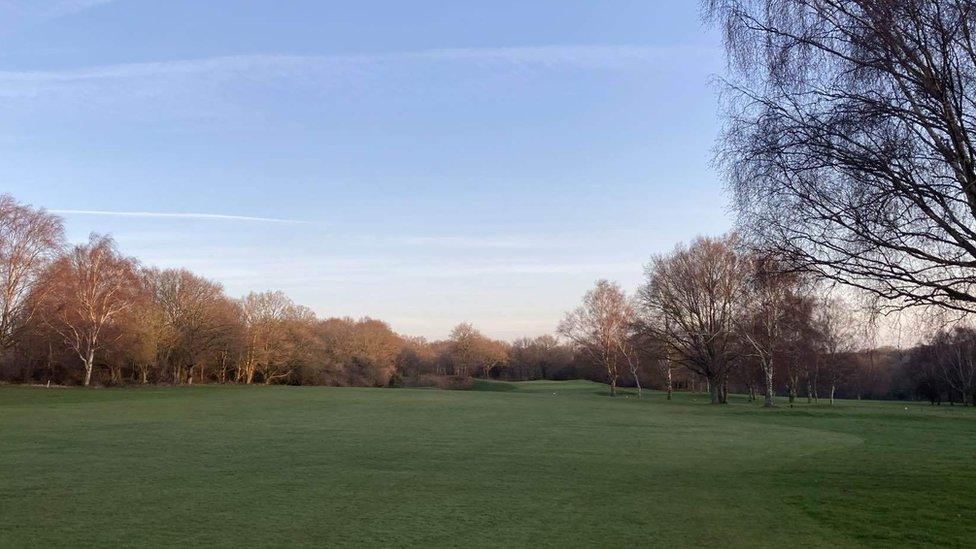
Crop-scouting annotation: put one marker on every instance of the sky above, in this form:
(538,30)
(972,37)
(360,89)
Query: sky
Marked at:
(425,162)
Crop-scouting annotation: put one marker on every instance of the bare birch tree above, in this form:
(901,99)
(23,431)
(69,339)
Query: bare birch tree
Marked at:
(30,239)
(835,326)
(600,327)
(851,140)
(763,325)
(86,291)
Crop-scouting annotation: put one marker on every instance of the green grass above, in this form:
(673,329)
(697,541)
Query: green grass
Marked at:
(533,464)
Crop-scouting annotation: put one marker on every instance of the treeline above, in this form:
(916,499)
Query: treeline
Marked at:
(89,314)
(737,318)
(710,316)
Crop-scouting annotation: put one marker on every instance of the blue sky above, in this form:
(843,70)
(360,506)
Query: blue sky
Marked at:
(421,162)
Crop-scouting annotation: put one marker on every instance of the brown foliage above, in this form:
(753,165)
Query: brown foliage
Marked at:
(85,295)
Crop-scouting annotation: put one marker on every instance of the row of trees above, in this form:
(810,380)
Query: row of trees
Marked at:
(725,314)
(713,315)
(944,368)
(734,316)
(88,313)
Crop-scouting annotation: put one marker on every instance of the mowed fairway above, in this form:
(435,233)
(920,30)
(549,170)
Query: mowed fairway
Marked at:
(534,464)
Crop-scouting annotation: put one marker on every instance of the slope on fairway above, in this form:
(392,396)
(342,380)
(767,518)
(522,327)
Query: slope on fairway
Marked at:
(543,463)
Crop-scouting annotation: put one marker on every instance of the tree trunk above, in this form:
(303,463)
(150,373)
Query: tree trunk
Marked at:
(768,403)
(613,386)
(89,361)
(88,372)
(669,384)
(714,391)
(832,389)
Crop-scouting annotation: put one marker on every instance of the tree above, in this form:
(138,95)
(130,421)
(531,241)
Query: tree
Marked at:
(416,357)
(85,292)
(277,333)
(637,345)
(358,352)
(955,359)
(850,140)
(376,347)
(202,319)
(464,340)
(148,339)
(538,358)
(666,367)
(471,350)
(689,302)
(30,239)
(771,289)
(799,342)
(600,327)
(835,327)
(489,353)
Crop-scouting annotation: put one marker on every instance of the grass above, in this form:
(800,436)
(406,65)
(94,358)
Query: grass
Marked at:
(529,464)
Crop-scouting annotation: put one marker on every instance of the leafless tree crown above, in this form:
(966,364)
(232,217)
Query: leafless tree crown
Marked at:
(850,140)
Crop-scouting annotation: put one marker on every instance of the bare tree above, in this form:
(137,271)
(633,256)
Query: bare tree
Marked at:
(202,319)
(836,330)
(30,238)
(629,350)
(666,367)
(771,290)
(690,301)
(361,352)
(86,291)
(850,140)
(471,350)
(800,337)
(539,357)
(277,333)
(955,360)
(491,353)
(464,340)
(600,327)
(377,347)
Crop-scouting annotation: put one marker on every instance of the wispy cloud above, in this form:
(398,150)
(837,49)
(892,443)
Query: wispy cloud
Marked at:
(19,12)
(580,56)
(167,215)
(68,7)
(514,242)
(159,78)
(236,89)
